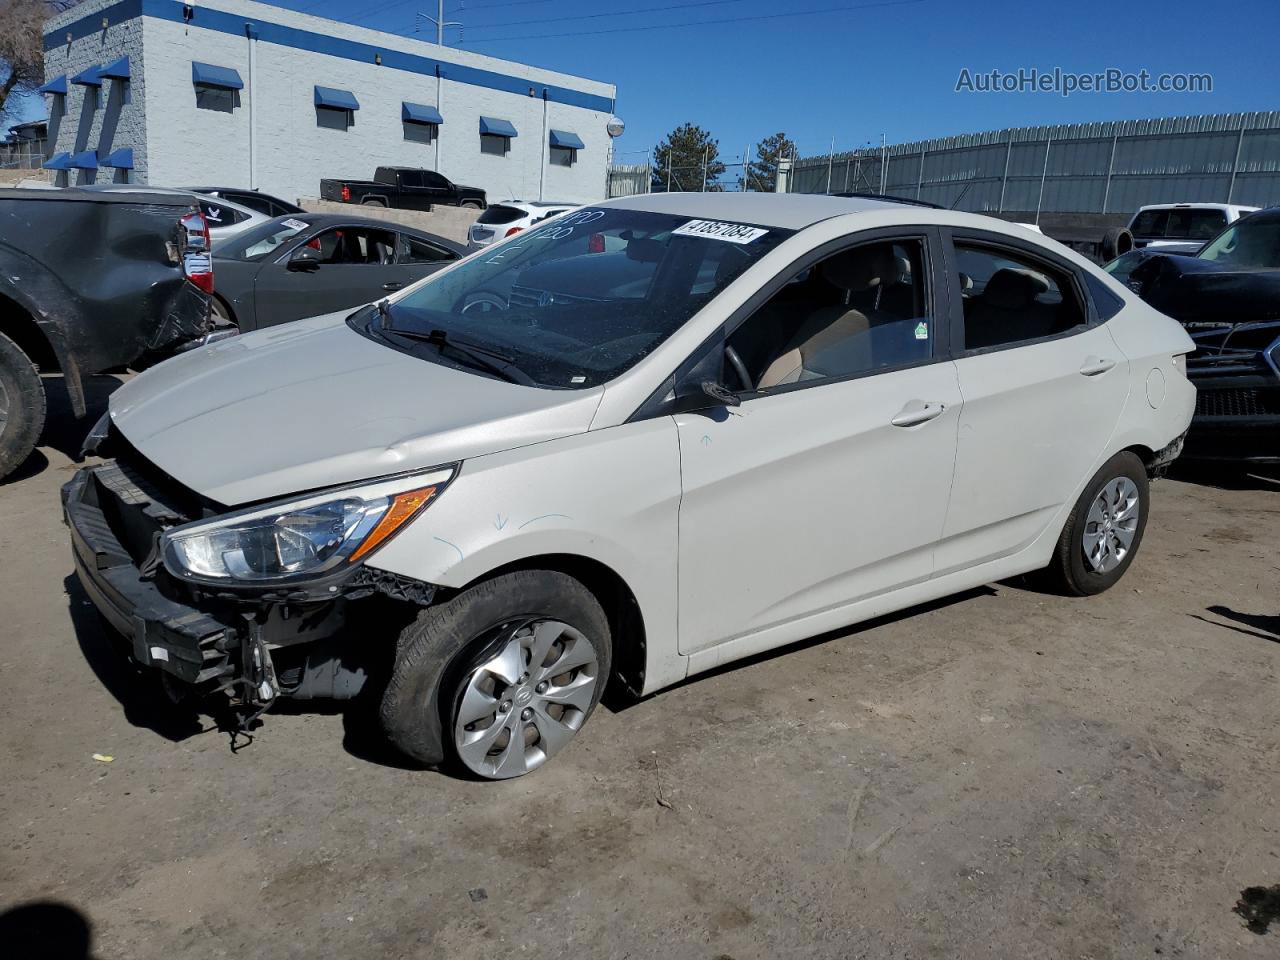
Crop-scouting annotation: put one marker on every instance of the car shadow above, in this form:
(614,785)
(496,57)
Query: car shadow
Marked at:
(48,929)
(1264,626)
(1227,476)
(616,700)
(140,692)
(63,430)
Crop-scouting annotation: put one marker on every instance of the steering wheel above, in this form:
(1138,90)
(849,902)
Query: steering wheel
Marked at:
(739,367)
(480,301)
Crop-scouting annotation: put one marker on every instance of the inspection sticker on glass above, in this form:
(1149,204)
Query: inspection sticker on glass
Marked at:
(715,230)
(922,331)
(296,225)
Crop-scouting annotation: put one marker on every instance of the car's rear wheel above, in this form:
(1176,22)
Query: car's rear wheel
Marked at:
(1104,530)
(22,406)
(373,203)
(500,678)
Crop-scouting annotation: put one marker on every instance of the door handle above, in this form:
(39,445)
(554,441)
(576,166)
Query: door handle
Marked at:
(917,412)
(1096,365)
(392,285)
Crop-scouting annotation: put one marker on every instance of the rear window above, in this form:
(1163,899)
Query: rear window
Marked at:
(1150,223)
(1195,224)
(500,214)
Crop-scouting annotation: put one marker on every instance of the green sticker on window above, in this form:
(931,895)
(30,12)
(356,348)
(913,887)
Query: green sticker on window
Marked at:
(922,331)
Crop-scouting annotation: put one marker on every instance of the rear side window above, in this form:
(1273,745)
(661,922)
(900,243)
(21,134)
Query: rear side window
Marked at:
(500,214)
(219,215)
(1009,298)
(254,202)
(1105,303)
(413,250)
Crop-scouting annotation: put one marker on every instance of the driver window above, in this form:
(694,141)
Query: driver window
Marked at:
(354,245)
(860,310)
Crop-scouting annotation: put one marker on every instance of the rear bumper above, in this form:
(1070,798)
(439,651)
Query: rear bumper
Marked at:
(170,636)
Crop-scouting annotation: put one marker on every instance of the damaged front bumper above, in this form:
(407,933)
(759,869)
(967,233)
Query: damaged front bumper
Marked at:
(254,646)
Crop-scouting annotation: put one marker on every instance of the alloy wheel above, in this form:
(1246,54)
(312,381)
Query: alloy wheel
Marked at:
(1111,524)
(523,706)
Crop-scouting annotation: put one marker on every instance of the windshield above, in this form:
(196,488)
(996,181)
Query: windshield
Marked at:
(1252,243)
(579,301)
(258,243)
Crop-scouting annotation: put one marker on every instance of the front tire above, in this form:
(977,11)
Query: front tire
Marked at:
(1104,529)
(500,678)
(22,406)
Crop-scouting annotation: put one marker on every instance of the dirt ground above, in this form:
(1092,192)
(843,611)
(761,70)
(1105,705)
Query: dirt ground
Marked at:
(1005,774)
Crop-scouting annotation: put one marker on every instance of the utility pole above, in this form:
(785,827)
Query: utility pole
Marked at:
(439,21)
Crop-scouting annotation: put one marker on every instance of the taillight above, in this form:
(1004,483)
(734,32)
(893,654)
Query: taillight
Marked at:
(346,194)
(596,243)
(513,231)
(193,242)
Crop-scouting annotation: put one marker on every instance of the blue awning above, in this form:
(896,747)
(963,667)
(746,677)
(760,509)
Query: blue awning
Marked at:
(336,99)
(87,160)
(56,85)
(419,113)
(88,78)
(208,75)
(497,128)
(59,161)
(121,159)
(116,69)
(563,138)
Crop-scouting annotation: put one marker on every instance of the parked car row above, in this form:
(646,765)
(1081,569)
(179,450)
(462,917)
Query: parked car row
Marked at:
(627,445)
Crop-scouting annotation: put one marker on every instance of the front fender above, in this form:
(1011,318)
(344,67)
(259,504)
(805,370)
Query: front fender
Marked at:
(610,495)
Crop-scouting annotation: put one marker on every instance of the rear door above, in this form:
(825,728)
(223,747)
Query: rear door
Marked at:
(436,189)
(357,266)
(1043,386)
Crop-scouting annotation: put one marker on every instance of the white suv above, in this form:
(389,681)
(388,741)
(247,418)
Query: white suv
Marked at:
(1182,227)
(510,217)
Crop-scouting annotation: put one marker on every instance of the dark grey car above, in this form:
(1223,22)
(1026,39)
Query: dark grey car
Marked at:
(308,264)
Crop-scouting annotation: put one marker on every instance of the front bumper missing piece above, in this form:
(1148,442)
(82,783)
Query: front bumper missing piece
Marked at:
(216,642)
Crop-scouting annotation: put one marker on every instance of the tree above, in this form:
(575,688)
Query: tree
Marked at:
(21,50)
(762,173)
(682,157)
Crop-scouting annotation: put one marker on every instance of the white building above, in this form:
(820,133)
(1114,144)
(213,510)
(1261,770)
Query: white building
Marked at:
(241,94)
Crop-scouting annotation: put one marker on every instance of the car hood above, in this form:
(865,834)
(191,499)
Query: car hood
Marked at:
(314,403)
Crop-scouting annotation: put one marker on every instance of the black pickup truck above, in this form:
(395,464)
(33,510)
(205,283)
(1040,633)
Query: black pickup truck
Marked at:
(92,281)
(403,188)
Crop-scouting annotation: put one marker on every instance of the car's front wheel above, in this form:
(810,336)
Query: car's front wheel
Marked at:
(501,677)
(1103,531)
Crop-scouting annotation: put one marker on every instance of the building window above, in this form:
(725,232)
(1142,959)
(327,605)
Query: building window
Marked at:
(420,132)
(563,156)
(494,145)
(333,119)
(217,98)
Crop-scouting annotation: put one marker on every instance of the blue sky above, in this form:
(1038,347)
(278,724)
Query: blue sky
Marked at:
(858,73)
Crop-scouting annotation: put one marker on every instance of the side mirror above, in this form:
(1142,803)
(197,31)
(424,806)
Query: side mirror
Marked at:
(721,394)
(306,260)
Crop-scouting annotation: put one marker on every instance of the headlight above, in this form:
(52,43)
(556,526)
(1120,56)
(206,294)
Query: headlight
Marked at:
(303,538)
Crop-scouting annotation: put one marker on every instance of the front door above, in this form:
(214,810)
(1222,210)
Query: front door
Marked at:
(1043,389)
(829,483)
(357,266)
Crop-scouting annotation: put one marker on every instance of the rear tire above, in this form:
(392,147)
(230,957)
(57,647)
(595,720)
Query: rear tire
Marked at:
(442,655)
(374,203)
(22,406)
(1103,531)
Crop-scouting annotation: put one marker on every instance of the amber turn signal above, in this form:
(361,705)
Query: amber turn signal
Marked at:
(404,507)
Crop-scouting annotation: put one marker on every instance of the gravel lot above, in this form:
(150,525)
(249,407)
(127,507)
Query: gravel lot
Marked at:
(1005,774)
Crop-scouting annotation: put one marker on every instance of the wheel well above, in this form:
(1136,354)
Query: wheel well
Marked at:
(626,624)
(17,324)
(226,306)
(1145,454)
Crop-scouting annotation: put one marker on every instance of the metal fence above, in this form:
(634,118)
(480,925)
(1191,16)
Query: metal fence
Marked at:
(22,154)
(1111,167)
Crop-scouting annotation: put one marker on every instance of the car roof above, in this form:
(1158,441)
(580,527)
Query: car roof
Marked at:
(1196,206)
(787,211)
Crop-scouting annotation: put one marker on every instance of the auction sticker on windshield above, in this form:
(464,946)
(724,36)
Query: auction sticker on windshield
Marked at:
(715,230)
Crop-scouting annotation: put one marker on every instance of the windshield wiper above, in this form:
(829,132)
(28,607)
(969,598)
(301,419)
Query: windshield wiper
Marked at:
(492,360)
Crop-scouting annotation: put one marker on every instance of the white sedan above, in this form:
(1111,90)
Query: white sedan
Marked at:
(680,430)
